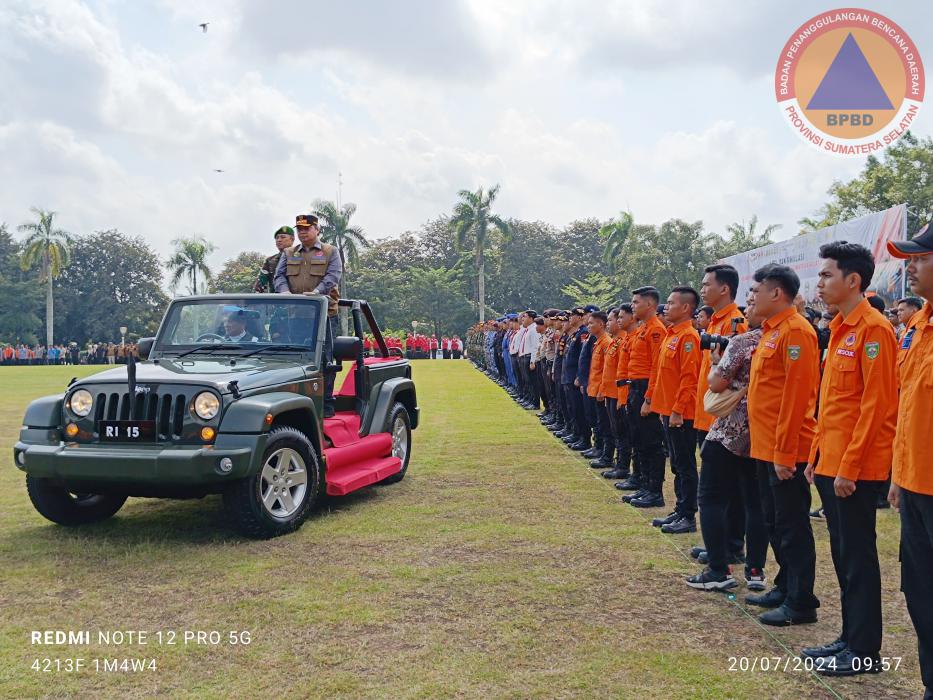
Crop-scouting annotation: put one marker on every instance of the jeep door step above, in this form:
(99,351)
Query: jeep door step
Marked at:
(360,474)
(343,429)
(369,447)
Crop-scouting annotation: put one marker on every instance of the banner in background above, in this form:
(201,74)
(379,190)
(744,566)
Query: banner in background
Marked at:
(802,253)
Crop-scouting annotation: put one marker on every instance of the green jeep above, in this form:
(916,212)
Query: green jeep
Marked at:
(229,401)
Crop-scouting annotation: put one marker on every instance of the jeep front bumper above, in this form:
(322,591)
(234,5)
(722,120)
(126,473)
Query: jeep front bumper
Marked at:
(142,464)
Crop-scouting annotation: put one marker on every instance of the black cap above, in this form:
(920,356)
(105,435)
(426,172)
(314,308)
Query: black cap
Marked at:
(920,244)
(305,220)
(287,230)
(578,311)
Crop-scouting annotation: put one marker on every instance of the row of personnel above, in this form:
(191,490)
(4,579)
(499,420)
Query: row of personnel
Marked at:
(772,413)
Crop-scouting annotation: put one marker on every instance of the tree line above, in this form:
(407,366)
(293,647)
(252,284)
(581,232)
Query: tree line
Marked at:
(459,266)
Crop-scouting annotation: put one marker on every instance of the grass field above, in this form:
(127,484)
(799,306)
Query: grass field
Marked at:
(500,567)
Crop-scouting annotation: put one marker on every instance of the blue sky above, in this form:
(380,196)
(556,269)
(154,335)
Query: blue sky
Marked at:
(116,112)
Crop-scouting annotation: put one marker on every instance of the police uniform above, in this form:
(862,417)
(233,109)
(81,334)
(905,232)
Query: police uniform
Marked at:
(314,269)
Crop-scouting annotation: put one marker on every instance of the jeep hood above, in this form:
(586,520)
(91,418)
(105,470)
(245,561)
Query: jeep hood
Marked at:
(249,373)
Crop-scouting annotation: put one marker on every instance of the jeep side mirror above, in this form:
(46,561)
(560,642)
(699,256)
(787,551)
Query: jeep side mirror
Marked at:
(395,352)
(145,347)
(347,347)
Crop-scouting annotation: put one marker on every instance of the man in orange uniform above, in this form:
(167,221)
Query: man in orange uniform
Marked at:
(718,290)
(597,409)
(851,452)
(642,370)
(627,324)
(673,397)
(785,378)
(912,477)
(609,392)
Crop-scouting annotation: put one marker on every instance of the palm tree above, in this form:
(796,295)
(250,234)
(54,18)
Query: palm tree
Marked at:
(336,230)
(473,218)
(615,234)
(189,259)
(744,237)
(50,248)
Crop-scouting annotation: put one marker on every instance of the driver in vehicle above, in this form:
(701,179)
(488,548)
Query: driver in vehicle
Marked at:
(235,328)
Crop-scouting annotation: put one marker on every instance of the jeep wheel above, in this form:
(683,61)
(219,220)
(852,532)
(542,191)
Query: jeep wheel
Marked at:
(65,508)
(399,427)
(277,499)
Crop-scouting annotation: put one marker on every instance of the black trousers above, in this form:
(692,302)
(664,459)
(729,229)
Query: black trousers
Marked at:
(330,332)
(682,442)
(585,427)
(619,432)
(647,439)
(786,508)
(574,407)
(721,476)
(542,374)
(592,416)
(736,509)
(917,573)
(852,543)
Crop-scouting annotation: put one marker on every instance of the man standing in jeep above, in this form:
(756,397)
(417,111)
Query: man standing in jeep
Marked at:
(314,267)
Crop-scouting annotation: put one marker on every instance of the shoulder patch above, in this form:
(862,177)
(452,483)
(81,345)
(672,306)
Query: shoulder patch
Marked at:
(793,352)
(872,350)
(688,347)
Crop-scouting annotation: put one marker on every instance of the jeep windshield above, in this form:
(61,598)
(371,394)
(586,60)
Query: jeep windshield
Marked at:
(240,326)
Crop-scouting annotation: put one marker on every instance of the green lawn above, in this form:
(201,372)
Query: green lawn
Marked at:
(500,567)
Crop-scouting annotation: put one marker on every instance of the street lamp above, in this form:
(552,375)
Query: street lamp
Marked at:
(123,330)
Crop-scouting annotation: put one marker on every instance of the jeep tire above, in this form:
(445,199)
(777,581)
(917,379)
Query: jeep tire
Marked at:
(280,496)
(65,508)
(398,425)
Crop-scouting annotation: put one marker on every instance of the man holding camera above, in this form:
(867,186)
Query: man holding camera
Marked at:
(718,291)
(727,468)
(851,453)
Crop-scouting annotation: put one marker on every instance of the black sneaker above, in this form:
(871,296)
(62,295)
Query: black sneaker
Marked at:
(601,463)
(706,580)
(695,552)
(630,484)
(649,500)
(671,517)
(849,663)
(680,526)
(613,474)
(772,599)
(629,497)
(785,617)
(819,652)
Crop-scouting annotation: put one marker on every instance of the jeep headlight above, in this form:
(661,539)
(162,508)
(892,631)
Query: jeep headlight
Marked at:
(80,402)
(206,405)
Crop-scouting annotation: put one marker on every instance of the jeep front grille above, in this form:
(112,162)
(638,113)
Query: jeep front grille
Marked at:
(167,410)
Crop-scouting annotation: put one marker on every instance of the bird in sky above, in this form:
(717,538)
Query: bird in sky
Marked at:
(203,27)
(218,170)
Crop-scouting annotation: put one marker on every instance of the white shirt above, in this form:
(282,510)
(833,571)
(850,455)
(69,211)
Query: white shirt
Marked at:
(530,341)
(515,343)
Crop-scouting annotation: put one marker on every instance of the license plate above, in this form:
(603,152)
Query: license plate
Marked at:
(127,430)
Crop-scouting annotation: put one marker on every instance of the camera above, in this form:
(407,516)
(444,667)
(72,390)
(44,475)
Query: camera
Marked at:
(708,340)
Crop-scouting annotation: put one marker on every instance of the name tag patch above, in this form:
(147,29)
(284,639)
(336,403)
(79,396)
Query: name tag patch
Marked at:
(845,353)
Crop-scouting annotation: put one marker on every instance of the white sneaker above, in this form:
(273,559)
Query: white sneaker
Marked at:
(755,580)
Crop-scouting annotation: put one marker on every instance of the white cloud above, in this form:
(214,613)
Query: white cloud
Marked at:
(111,129)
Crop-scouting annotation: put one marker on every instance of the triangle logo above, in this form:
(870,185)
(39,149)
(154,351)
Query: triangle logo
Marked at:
(850,82)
